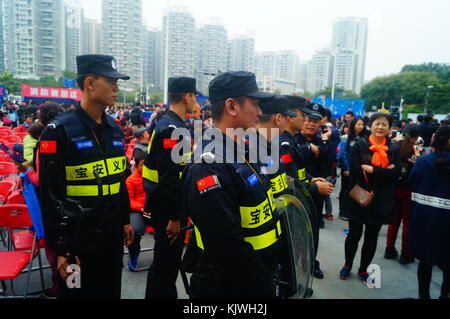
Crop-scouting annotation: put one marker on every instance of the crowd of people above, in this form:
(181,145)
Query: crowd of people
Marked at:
(392,173)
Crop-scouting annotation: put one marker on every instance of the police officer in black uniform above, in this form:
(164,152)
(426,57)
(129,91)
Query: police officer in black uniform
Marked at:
(84,199)
(231,202)
(275,112)
(318,162)
(161,175)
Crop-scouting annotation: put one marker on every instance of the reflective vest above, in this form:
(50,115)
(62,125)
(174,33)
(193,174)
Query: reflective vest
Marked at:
(84,156)
(288,140)
(154,169)
(259,218)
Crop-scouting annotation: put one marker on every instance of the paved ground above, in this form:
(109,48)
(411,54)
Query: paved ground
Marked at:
(397,281)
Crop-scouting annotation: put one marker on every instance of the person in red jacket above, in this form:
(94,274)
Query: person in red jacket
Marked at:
(138,221)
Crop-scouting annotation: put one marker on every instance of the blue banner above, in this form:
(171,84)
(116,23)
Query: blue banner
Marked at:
(339,107)
(69,83)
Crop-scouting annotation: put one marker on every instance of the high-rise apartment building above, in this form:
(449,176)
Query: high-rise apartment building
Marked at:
(349,46)
(92,35)
(34,37)
(211,56)
(152,58)
(241,54)
(2,40)
(178,42)
(282,65)
(122,37)
(74,16)
(321,71)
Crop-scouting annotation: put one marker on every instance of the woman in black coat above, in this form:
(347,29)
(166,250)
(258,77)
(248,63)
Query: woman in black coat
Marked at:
(375,166)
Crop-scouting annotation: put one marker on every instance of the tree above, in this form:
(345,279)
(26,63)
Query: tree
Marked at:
(440,70)
(12,84)
(340,93)
(410,86)
(66,74)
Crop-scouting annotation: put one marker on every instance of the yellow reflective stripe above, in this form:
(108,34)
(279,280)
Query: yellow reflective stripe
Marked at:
(254,217)
(302,174)
(151,142)
(91,190)
(150,174)
(279,183)
(198,238)
(85,172)
(186,158)
(265,240)
(116,165)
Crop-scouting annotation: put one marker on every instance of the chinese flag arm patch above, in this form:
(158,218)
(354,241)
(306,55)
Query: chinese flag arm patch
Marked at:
(47,147)
(208,184)
(286,159)
(169,143)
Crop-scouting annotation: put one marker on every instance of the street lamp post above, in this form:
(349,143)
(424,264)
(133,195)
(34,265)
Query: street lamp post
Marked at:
(429,88)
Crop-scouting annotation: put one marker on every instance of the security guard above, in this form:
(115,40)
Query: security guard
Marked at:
(84,199)
(161,176)
(230,201)
(294,155)
(275,112)
(317,162)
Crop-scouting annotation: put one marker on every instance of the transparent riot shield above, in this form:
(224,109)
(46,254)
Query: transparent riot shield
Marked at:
(298,243)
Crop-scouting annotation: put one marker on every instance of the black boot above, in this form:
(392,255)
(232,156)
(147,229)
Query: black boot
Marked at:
(404,260)
(390,253)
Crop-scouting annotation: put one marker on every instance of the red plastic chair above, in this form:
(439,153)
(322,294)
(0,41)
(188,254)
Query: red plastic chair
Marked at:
(12,263)
(5,189)
(14,139)
(5,128)
(2,139)
(18,130)
(7,169)
(16,198)
(5,158)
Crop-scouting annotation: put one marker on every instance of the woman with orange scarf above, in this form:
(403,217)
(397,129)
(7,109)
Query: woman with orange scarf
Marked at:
(375,166)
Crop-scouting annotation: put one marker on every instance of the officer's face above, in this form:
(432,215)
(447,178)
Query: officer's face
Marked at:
(299,120)
(191,101)
(104,90)
(311,126)
(248,113)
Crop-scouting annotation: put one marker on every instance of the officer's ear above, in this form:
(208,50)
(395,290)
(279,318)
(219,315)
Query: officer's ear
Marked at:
(89,82)
(231,107)
(277,119)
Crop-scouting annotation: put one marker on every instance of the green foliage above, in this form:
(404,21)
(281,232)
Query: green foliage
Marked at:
(411,85)
(440,70)
(340,93)
(12,84)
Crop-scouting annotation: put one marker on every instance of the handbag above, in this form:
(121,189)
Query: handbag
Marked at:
(360,195)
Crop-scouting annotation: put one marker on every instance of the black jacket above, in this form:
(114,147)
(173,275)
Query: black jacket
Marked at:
(381,183)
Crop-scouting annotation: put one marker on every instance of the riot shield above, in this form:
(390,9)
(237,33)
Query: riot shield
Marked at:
(298,243)
(296,188)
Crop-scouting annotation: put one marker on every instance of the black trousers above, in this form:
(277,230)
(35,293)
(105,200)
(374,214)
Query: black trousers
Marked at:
(424,273)
(344,200)
(101,257)
(318,203)
(163,272)
(369,247)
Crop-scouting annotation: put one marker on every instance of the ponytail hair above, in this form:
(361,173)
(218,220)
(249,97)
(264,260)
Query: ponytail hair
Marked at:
(440,145)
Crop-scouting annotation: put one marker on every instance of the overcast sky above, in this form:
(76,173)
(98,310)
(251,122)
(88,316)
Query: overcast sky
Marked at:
(400,31)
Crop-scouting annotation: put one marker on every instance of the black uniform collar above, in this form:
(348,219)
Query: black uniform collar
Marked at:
(287,136)
(86,119)
(174,115)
